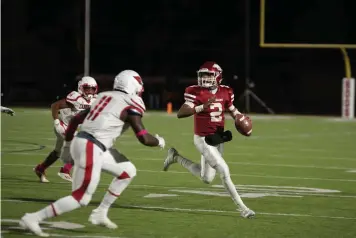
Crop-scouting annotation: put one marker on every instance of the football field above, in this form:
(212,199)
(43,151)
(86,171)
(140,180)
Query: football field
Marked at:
(297,173)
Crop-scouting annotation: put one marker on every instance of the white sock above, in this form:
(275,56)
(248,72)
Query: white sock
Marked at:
(189,165)
(231,189)
(116,188)
(57,208)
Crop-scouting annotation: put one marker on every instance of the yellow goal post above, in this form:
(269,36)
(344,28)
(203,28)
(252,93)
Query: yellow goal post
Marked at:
(348,85)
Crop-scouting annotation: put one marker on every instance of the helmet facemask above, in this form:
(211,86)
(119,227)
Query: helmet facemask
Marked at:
(207,79)
(88,91)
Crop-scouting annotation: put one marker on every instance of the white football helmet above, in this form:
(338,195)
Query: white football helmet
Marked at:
(85,85)
(129,82)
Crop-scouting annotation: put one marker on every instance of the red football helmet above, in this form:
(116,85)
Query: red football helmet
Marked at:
(209,75)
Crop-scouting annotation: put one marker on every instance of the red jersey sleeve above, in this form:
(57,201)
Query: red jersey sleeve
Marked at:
(230,99)
(190,96)
(230,102)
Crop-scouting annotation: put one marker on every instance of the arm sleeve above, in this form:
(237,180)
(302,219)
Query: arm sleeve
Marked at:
(72,98)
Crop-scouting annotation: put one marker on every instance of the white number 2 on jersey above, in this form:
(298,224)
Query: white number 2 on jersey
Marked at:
(216,115)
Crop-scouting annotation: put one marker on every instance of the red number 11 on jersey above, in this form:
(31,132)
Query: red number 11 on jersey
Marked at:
(94,113)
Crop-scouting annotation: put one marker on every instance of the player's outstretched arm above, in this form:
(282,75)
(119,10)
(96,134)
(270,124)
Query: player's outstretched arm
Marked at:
(141,133)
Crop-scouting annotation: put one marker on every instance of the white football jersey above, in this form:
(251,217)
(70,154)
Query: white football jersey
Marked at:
(79,103)
(103,120)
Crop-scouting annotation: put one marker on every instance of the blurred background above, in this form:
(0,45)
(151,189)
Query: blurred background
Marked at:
(166,41)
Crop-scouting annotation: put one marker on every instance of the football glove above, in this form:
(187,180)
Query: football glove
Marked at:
(161,141)
(60,127)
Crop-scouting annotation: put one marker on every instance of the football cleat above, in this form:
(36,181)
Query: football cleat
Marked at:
(171,158)
(99,217)
(41,174)
(65,176)
(248,213)
(30,222)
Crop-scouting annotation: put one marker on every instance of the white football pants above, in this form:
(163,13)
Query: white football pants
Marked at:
(89,161)
(211,156)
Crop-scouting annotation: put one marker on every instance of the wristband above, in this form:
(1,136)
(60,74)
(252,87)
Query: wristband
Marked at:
(141,133)
(199,108)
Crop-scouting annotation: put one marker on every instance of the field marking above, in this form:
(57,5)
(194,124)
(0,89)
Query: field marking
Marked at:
(229,162)
(68,226)
(217,188)
(268,165)
(159,195)
(11,200)
(231,212)
(238,175)
(351,171)
(266,155)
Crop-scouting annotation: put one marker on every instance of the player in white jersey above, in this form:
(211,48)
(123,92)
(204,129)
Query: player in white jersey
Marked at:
(111,114)
(62,112)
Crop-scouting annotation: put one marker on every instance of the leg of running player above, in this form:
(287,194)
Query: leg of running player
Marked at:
(86,177)
(64,172)
(173,157)
(213,156)
(124,172)
(40,169)
(203,170)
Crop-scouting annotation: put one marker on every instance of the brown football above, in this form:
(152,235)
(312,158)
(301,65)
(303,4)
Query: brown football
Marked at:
(243,124)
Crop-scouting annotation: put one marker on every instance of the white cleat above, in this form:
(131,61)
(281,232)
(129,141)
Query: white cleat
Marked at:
(171,158)
(30,222)
(248,213)
(65,176)
(99,217)
(41,175)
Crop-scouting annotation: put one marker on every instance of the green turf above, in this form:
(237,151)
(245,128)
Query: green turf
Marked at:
(284,159)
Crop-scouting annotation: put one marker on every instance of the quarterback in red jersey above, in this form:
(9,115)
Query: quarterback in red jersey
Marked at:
(208,101)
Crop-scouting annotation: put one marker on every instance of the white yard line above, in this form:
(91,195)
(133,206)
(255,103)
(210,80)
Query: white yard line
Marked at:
(232,162)
(235,212)
(238,175)
(230,212)
(269,152)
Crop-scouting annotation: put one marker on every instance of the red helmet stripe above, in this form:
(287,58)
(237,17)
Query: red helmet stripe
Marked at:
(139,80)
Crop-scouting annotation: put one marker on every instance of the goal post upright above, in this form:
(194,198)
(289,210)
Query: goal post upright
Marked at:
(348,83)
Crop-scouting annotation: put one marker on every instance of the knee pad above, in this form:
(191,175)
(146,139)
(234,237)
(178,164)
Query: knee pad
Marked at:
(129,171)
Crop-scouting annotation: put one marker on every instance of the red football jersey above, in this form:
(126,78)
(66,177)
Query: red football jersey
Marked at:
(212,119)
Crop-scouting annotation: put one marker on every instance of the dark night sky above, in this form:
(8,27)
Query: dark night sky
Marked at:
(43,40)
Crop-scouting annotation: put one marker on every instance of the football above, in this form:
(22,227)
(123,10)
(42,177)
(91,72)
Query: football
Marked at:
(243,124)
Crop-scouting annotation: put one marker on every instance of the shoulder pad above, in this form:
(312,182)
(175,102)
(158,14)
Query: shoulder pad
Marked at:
(73,96)
(136,104)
